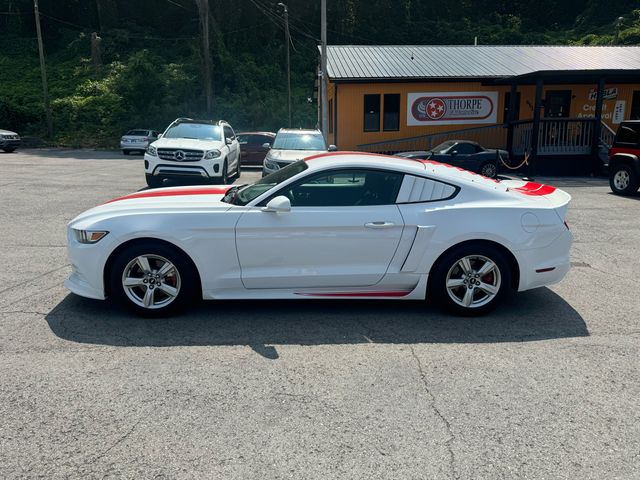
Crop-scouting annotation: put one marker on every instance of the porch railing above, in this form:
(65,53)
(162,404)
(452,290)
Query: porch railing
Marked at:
(556,136)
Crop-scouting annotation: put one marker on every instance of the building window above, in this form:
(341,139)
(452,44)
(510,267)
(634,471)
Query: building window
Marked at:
(372,113)
(557,103)
(507,104)
(331,116)
(391,119)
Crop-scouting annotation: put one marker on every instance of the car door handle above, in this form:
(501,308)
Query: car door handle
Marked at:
(379,224)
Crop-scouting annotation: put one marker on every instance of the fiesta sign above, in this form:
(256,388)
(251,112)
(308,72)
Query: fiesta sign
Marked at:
(451,108)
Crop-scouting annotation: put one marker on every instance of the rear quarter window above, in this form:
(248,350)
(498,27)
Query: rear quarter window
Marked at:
(628,134)
(420,189)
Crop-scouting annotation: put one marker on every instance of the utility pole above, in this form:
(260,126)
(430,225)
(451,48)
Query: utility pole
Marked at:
(323,63)
(287,40)
(43,71)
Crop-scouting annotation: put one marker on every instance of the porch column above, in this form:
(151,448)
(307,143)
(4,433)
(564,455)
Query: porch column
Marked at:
(512,110)
(597,128)
(535,134)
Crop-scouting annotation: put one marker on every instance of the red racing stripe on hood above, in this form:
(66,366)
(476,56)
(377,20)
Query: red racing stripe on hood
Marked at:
(175,192)
(533,188)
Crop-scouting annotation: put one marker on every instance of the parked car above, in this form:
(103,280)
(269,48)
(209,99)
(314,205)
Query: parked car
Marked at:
(9,141)
(624,159)
(465,154)
(137,140)
(291,145)
(194,149)
(252,147)
(346,225)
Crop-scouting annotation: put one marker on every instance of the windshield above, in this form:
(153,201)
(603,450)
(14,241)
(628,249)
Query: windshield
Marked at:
(299,141)
(196,131)
(243,194)
(443,147)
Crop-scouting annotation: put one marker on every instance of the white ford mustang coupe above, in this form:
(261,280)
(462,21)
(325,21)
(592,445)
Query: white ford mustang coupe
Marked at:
(336,225)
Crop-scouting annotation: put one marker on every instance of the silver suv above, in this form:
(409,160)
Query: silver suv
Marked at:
(291,145)
(195,149)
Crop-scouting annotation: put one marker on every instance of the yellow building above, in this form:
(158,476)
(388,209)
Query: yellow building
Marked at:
(558,104)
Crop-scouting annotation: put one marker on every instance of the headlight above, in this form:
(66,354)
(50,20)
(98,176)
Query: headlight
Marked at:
(211,154)
(270,164)
(89,236)
(151,150)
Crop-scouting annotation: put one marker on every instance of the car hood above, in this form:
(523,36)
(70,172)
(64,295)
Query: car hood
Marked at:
(159,200)
(7,132)
(188,143)
(291,155)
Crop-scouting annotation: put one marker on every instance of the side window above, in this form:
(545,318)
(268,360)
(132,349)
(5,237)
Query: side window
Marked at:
(372,113)
(345,188)
(391,121)
(465,148)
(421,189)
(628,134)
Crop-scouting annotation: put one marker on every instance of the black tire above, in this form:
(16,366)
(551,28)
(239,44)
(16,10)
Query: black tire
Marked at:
(224,180)
(623,180)
(183,278)
(448,267)
(238,172)
(9,150)
(489,169)
(153,181)
(126,152)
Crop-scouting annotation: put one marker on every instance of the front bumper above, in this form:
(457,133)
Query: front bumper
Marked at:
(13,143)
(87,266)
(167,169)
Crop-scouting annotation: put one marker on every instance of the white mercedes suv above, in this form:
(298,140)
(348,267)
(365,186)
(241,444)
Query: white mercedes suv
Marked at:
(188,148)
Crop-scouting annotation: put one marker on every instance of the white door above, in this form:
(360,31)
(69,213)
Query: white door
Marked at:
(342,231)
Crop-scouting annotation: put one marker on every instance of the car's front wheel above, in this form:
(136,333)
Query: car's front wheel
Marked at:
(470,279)
(153,279)
(623,180)
(9,150)
(489,169)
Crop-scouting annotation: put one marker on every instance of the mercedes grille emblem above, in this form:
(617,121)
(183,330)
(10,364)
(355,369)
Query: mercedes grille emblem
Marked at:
(179,155)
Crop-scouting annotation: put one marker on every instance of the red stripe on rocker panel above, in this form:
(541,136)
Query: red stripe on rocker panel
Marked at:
(402,293)
(177,192)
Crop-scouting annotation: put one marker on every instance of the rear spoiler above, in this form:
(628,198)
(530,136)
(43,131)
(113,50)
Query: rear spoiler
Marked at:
(540,194)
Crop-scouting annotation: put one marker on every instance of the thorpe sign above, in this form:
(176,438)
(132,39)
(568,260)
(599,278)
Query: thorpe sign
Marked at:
(451,108)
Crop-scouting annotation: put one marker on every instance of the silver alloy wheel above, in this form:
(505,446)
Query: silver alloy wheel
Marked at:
(489,170)
(151,281)
(473,281)
(621,179)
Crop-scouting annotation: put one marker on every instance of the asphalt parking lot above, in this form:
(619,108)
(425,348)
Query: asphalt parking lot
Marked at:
(545,387)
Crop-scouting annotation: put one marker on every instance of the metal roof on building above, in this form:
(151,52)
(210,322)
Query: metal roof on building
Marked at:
(353,62)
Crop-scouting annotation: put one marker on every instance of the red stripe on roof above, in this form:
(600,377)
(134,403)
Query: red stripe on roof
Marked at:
(176,192)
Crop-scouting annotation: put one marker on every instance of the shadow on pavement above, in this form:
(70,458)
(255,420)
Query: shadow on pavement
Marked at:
(536,315)
(81,154)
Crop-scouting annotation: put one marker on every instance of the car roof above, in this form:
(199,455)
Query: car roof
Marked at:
(270,134)
(433,169)
(301,131)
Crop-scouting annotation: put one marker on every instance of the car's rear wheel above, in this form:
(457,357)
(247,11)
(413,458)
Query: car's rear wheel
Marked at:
(9,150)
(153,279)
(471,279)
(153,181)
(623,180)
(489,169)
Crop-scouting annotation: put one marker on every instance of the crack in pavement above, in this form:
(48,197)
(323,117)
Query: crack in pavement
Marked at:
(34,278)
(118,442)
(423,377)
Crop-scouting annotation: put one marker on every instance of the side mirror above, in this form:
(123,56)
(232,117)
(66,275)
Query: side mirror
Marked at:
(266,146)
(332,148)
(279,204)
(228,141)
(455,152)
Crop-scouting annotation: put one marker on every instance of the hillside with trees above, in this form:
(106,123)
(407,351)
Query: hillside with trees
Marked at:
(146,66)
